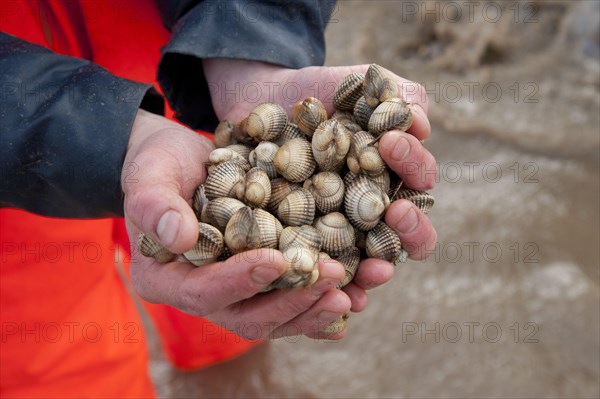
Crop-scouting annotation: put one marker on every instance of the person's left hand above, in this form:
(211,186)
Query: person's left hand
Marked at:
(257,82)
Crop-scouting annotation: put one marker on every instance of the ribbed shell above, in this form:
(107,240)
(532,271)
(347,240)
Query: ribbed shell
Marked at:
(297,208)
(383,180)
(225,254)
(303,270)
(327,188)
(199,201)
(364,203)
(291,131)
(348,91)
(242,232)
(362,113)
(379,86)
(224,133)
(220,210)
(336,326)
(262,157)
(266,121)
(242,149)
(389,115)
(152,249)
(257,191)
(222,155)
(330,144)
(226,180)
(300,236)
(294,160)
(309,114)
(338,234)
(350,259)
(208,247)
(371,162)
(423,200)
(346,119)
(270,228)
(280,188)
(384,243)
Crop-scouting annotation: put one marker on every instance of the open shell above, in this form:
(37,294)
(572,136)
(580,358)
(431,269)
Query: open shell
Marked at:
(327,188)
(330,144)
(208,247)
(309,114)
(338,234)
(248,229)
(294,160)
(364,203)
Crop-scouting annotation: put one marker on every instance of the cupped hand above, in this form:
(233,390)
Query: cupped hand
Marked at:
(403,152)
(163,166)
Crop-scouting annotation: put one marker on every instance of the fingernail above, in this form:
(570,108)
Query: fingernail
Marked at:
(324,285)
(264,275)
(408,222)
(401,149)
(168,227)
(327,316)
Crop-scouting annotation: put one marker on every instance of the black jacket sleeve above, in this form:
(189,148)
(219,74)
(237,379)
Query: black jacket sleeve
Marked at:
(64,127)
(286,33)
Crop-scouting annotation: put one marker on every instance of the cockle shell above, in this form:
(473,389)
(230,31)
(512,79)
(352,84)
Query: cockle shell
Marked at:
(208,247)
(291,131)
(330,144)
(350,259)
(327,188)
(219,211)
(389,115)
(336,326)
(423,200)
(266,121)
(337,233)
(346,119)
(222,155)
(297,208)
(153,249)
(280,188)
(300,236)
(248,229)
(309,114)
(364,203)
(364,156)
(224,133)
(303,270)
(362,113)
(348,91)
(257,188)
(379,86)
(242,149)
(294,160)
(262,157)
(199,201)
(226,180)
(383,180)
(383,243)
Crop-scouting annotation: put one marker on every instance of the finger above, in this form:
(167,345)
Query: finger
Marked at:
(372,273)
(280,306)
(358,297)
(415,230)
(155,197)
(406,156)
(208,289)
(332,305)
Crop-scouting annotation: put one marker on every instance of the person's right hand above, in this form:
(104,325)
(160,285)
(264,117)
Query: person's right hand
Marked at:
(163,166)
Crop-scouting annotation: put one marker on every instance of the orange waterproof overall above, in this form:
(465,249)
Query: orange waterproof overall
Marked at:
(69,327)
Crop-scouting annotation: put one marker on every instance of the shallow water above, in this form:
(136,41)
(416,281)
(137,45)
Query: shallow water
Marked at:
(508,305)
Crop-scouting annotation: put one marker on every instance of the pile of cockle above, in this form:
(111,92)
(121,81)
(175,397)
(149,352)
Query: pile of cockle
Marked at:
(312,187)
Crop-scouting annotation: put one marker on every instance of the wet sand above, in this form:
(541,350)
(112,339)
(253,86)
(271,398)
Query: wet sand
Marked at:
(508,305)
